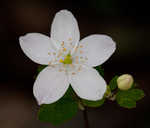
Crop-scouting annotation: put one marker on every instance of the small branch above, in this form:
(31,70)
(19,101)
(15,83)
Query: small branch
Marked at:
(85,116)
(83,108)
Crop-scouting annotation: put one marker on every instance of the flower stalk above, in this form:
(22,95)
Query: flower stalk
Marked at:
(85,117)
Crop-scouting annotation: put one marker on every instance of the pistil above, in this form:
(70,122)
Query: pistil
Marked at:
(67,59)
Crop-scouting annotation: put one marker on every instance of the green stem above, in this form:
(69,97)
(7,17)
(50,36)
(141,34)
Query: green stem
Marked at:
(85,117)
(84,109)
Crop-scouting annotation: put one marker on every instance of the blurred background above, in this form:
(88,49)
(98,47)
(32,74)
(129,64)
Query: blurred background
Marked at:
(127,22)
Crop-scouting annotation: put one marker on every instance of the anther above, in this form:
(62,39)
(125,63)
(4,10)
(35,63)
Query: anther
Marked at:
(81,52)
(81,46)
(61,61)
(59,55)
(70,39)
(79,69)
(60,70)
(64,49)
(77,57)
(73,73)
(54,53)
(49,63)
(86,58)
(62,44)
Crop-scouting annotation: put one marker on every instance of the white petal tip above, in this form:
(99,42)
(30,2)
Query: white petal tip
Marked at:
(39,103)
(23,38)
(65,11)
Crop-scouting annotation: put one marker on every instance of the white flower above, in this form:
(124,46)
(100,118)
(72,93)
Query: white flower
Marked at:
(70,60)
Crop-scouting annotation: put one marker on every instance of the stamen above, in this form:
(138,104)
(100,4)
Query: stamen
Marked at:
(70,39)
(61,60)
(81,46)
(62,44)
(60,70)
(64,49)
(77,57)
(79,69)
(81,52)
(73,73)
(49,53)
(76,61)
(72,65)
(49,63)
(53,66)
(67,59)
(59,55)
(83,61)
(86,58)
(76,49)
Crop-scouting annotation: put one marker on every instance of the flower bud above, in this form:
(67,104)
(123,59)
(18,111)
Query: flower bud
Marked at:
(125,82)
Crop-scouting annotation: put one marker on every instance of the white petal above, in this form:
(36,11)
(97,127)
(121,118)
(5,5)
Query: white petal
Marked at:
(37,47)
(50,85)
(96,49)
(88,84)
(65,29)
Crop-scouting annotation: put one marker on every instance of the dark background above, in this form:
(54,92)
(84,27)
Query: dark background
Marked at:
(127,22)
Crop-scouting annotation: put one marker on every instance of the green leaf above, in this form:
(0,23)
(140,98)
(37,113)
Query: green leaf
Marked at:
(127,103)
(60,111)
(128,98)
(93,103)
(113,83)
(134,94)
(40,68)
(137,94)
(69,93)
(100,70)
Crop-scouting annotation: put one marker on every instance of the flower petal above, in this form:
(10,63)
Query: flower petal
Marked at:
(95,49)
(65,29)
(88,84)
(50,85)
(37,47)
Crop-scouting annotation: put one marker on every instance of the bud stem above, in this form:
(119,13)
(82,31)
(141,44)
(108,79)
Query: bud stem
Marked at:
(86,121)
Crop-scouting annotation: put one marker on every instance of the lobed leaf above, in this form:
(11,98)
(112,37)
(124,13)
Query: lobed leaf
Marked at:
(128,98)
(100,70)
(127,103)
(60,111)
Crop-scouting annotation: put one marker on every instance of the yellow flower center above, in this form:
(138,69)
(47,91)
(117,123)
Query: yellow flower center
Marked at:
(67,59)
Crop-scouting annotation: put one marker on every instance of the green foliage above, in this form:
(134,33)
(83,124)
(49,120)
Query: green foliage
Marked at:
(113,83)
(100,70)
(93,103)
(127,103)
(69,93)
(40,68)
(134,94)
(108,92)
(127,99)
(60,111)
